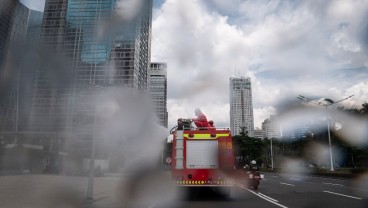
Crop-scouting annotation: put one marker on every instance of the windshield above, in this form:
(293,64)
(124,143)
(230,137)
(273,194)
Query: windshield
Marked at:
(93,94)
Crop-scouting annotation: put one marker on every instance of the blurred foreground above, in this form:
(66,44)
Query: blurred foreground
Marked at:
(154,189)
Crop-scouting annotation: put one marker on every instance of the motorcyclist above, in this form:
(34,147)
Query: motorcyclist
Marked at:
(253,166)
(253,175)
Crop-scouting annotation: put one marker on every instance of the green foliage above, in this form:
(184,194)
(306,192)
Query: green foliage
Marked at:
(247,148)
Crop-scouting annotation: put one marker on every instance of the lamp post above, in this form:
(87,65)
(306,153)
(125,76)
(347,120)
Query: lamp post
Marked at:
(271,155)
(325,102)
(94,89)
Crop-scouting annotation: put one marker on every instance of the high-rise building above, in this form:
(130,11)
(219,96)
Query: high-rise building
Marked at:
(297,130)
(27,69)
(258,133)
(271,128)
(158,90)
(241,107)
(95,46)
(34,26)
(6,18)
(13,27)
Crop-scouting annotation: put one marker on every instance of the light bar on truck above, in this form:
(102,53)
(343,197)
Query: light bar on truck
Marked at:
(205,136)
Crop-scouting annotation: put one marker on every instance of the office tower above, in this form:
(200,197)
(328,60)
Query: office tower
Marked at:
(158,90)
(258,133)
(6,17)
(29,58)
(13,22)
(88,47)
(297,130)
(34,26)
(271,128)
(241,107)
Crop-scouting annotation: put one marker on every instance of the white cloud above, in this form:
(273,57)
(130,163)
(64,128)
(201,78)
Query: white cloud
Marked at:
(286,47)
(360,92)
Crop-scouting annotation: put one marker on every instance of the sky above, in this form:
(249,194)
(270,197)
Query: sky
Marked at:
(287,47)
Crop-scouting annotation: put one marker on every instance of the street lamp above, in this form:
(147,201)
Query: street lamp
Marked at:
(94,89)
(325,102)
(271,155)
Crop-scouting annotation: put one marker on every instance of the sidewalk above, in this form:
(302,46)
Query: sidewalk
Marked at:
(53,191)
(41,191)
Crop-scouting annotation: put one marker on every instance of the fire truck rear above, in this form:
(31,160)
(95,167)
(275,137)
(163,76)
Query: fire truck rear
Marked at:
(201,156)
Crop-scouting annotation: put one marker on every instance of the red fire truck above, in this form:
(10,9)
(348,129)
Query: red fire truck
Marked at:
(201,156)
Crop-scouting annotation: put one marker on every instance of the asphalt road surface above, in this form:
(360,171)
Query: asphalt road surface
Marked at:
(276,190)
(284,190)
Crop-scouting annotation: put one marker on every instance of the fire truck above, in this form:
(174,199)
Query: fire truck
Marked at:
(201,156)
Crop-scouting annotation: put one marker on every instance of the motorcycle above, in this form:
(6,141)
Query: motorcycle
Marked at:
(253,178)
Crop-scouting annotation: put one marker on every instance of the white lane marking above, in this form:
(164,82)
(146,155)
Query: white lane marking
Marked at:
(335,179)
(342,195)
(260,196)
(295,179)
(334,184)
(288,184)
(268,197)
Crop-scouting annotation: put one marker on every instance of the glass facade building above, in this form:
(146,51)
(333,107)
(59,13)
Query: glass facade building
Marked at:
(88,44)
(241,107)
(34,26)
(13,27)
(6,17)
(158,90)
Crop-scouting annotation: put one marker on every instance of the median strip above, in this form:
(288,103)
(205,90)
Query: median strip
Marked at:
(262,196)
(353,197)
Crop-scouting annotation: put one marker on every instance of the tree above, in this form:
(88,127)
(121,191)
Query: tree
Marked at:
(364,110)
(247,148)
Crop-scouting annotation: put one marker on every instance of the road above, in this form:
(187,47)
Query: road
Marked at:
(285,190)
(277,190)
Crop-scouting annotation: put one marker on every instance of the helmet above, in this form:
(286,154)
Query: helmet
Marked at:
(253,162)
(210,122)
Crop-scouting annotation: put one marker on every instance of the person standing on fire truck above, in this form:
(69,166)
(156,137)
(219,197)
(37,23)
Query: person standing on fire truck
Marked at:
(201,120)
(211,124)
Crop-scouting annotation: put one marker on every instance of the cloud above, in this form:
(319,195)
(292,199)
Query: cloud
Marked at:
(286,47)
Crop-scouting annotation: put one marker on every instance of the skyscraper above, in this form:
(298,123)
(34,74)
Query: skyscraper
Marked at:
(94,46)
(158,90)
(27,68)
(7,10)
(34,26)
(13,27)
(271,128)
(241,107)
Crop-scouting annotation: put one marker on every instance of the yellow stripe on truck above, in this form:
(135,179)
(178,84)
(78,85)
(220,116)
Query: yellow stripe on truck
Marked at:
(205,136)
